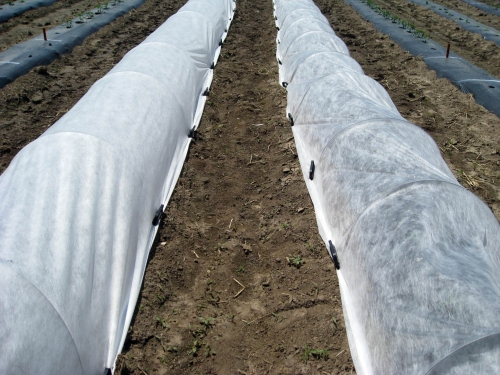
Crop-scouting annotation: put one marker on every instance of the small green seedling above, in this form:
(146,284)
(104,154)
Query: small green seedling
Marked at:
(206,322)
(100,9)
(209,352)
(68,24)
(80,18)
(297,261)
(162,322)
(316,353)
(194,348)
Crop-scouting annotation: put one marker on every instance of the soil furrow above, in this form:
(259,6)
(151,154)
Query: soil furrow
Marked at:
(239,211)
(471,46)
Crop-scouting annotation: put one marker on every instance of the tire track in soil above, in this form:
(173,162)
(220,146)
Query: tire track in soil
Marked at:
(471,46)
(467,134)
(239,210)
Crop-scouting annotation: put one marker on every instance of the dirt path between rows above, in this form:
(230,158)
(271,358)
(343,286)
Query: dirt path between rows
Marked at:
(240,208)
(471,46)
(239,211)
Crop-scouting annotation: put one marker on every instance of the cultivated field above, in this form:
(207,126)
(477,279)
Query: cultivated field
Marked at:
(239,281)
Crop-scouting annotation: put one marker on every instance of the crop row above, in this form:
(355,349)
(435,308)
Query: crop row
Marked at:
(410,27)
(81,17)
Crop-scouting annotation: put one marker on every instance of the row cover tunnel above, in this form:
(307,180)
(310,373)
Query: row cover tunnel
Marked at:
(78,205)
(418,254)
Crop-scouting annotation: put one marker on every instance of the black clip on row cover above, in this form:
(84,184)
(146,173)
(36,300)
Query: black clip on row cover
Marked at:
(157,218)
(311,170)
(333,255)
(192,134)
(290,117)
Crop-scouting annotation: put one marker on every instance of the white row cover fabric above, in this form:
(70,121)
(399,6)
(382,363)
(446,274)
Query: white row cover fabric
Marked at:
(77,204)
(419,255)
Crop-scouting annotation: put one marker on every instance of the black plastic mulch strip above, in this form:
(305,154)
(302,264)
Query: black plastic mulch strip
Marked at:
(18,8)
(463,74)
(487,8)
(23,57)
(462,20)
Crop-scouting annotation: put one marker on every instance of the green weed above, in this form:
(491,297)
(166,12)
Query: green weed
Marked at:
(297,261)
(315,353)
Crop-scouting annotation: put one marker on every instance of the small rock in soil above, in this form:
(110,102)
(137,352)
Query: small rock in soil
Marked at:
(37,97)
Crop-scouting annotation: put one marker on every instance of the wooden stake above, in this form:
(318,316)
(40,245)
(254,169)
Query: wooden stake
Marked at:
(448,50)
(44,34)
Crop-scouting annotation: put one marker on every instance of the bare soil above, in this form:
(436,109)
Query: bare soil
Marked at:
(239,281)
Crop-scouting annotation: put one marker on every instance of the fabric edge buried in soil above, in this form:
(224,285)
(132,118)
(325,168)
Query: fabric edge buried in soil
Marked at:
(21,58)
(469,78)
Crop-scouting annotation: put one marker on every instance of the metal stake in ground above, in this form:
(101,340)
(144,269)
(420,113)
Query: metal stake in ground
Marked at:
(44,34)
(448,50)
